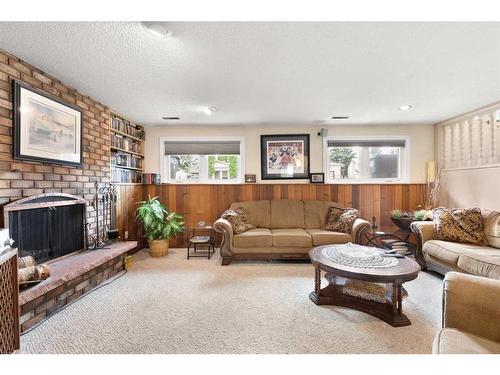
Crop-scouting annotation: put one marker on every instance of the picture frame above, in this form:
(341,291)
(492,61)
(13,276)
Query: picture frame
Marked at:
(317,178)
(46,129)
(284,156)
(250,178)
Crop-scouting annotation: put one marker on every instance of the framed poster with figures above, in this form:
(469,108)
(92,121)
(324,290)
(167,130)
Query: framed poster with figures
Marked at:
(46,129)
(284,156)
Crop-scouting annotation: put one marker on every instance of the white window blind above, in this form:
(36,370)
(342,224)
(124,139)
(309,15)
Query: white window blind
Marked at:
(202,147)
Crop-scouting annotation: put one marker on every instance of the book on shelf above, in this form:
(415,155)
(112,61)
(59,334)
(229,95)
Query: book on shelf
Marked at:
(151,178)
(126,127)
(121,159)
(126,144)
(125,175)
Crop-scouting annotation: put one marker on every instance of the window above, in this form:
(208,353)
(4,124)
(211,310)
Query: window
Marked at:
(366,160)
(202,160)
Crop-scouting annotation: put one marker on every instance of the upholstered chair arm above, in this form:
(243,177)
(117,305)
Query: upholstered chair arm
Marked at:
(424,231)
(359,226)
(223,226)
(472,304)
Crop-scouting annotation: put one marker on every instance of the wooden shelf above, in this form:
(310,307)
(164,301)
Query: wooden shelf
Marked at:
(121,140)
(126,151)
(125,167)
(126,135)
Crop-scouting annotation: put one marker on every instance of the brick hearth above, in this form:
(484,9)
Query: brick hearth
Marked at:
(71,277)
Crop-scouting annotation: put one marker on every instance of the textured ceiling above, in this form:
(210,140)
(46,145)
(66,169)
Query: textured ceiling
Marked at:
(262,73)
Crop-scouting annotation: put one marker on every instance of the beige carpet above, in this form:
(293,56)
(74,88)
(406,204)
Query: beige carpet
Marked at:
(171,305)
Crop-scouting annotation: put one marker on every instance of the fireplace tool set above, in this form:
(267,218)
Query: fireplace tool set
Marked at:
(104,205)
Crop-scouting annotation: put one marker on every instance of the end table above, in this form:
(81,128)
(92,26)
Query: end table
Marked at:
(200,238)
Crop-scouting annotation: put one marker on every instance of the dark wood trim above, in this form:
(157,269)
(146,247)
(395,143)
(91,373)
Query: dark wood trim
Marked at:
(419,255)
(264,256)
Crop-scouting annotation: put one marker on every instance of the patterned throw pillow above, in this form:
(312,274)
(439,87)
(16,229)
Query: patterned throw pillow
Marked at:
(340,219)
(491,222)
(463,225)
(239,220)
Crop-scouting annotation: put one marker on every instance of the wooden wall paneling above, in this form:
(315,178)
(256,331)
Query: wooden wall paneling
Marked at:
(207,202)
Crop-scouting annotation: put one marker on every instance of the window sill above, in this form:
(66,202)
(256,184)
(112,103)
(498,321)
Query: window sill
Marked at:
(175,182)
(367,182)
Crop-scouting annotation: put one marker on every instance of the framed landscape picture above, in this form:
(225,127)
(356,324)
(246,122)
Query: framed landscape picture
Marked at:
(284,156)
(46,129)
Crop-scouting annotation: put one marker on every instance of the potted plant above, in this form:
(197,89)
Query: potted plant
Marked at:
(402,219)
(159,224)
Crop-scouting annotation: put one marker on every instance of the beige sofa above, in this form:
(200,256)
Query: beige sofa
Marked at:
(444,256)
(471,316)
(285,229)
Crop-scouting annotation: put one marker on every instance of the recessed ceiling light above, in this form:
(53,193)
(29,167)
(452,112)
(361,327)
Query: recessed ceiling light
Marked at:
(170,118)
(340,117)
(209,110)
(157,29)
(405,107)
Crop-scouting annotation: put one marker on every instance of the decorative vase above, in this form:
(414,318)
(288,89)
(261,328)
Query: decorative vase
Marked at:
(158,248)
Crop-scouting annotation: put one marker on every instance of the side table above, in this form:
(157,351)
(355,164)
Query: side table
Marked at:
(200,238)
(389,241)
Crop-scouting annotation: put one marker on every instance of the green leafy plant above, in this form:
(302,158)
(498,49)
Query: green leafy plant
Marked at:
(158,222)
(419,215)
(396,214)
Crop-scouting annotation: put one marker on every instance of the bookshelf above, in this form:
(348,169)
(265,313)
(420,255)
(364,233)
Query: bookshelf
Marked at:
(127,150)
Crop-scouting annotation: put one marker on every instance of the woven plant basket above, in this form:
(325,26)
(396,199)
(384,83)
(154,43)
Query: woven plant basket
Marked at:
(158,248)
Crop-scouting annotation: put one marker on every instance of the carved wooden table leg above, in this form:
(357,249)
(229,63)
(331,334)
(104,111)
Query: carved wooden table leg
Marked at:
(317,279)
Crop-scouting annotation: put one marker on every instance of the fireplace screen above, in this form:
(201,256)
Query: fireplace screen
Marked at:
(47,228)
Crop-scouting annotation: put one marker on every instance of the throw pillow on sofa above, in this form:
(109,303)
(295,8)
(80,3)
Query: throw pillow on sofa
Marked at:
(340,219)
(491,222)
(463,225)
(239,219)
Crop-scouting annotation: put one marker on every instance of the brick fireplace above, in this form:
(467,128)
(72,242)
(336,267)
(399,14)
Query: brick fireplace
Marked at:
(20,179)
(32,183)
(51,228)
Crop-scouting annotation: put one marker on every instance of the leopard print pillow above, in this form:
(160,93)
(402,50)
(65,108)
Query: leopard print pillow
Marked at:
(340,219)
(239,219)
(463,225)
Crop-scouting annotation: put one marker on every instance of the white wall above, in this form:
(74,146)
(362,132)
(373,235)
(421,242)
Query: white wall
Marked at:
(478,187)
(421,143)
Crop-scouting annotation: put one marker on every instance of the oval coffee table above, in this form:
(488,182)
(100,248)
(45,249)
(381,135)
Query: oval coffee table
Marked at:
(390,312)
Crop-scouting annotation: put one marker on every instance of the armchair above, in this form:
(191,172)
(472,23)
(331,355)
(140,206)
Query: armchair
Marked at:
(471,315)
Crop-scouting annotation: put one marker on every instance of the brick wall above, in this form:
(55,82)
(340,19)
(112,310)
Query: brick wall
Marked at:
(21,179)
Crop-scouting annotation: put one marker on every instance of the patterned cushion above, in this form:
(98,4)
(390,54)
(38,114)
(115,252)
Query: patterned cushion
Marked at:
(239,219)
(340,219)
(491,221)
(463,225)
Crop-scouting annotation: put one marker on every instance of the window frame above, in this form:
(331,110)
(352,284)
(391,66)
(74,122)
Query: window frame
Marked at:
(405,162)
(165,176)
